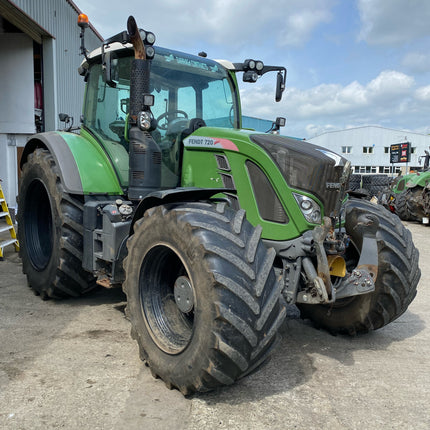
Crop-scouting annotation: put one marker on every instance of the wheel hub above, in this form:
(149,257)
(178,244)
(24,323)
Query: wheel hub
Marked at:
(184,296)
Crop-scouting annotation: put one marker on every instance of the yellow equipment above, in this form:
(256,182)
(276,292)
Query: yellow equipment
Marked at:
(8,227)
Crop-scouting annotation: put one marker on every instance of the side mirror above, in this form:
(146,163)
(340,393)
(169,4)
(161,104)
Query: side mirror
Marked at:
(280,86)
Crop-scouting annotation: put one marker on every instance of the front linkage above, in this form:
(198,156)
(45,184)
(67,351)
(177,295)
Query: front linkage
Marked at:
(329,281)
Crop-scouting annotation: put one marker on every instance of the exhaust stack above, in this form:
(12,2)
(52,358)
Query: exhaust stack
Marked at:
(144,153)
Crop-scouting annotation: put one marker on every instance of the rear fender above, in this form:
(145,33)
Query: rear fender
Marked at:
(84,167)
(420,180)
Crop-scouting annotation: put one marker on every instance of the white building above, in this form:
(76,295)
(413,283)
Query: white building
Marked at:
(368,147)
(39,51)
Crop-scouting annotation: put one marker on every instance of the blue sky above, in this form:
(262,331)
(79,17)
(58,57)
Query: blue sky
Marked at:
(350,62)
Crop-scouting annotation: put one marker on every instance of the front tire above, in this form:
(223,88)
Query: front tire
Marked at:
(401,206)
(202,296)
(396,282)
(50,231)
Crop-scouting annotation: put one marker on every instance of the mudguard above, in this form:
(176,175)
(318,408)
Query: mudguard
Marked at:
(84,167)
(420,179)
(175,195)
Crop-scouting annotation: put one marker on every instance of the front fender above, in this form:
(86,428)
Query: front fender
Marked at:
(84,167)
(175,195)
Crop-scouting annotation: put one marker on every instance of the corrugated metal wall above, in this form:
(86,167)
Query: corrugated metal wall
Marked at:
(59,18)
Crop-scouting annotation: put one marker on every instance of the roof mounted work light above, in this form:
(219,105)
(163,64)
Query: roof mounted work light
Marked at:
(148,37)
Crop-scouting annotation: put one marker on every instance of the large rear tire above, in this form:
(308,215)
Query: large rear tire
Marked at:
(401,207)
(50,231)
(415,203)
(202,296)
(396,282)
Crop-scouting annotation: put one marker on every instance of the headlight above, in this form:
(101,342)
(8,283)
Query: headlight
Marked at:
(249,64)
(144,120)
(259,66)
(150,38)
(310,208)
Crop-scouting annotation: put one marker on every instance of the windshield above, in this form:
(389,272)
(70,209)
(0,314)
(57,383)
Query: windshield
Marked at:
(184,87)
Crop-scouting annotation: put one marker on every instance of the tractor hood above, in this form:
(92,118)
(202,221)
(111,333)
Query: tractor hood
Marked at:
(306,167)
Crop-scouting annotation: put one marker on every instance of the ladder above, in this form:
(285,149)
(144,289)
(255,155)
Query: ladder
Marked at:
(8,227)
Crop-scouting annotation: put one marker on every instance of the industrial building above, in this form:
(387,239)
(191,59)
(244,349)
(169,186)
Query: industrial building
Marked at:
(39,51)
(368,148)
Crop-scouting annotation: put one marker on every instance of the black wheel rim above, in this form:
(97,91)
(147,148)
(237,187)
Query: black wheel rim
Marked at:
(170,328)
(38,225)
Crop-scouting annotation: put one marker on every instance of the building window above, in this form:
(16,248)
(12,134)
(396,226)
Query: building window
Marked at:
(346,149)
(384,169)
(413,150)
(386,149)
(367,149)
(356,169)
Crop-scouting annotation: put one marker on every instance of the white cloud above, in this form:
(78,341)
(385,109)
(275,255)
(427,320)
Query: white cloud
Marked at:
(300,24)
(423,93)
(329,100)
(315,129)
(390,99)
(389,84)
(221,22)
(390,22)
(417,62)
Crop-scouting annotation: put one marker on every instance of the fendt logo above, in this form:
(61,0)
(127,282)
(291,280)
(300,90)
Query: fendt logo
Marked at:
(332,185)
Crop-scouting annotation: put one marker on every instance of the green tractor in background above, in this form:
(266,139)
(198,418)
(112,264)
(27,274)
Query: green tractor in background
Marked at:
(408,196)
(210,229)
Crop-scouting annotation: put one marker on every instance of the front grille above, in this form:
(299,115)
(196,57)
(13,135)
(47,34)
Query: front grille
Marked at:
(269,206)
(306,167)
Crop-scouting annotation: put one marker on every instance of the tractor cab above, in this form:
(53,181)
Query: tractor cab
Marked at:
(189,93)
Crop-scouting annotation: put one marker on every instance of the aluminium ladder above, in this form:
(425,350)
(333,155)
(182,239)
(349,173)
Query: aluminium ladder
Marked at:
(8,227)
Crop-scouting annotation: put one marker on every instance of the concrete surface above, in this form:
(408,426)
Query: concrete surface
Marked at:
(73,365)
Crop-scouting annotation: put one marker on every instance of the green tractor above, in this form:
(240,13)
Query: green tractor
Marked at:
(210,229)
(408,195)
